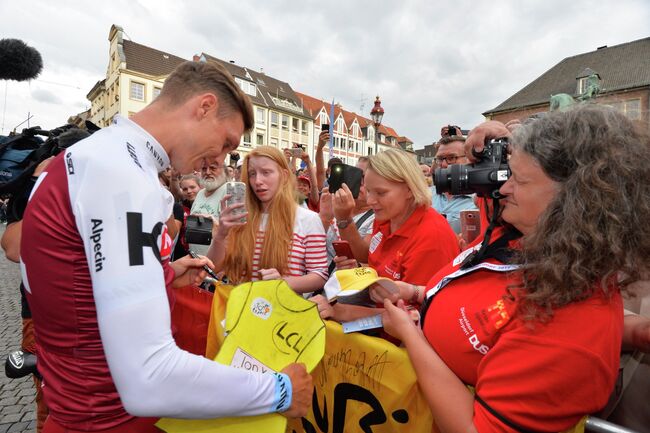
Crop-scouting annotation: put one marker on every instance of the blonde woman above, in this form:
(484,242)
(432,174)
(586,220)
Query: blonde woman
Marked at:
(410,241)
(279,239)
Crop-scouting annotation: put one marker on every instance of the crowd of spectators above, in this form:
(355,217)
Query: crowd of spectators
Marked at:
(530,314)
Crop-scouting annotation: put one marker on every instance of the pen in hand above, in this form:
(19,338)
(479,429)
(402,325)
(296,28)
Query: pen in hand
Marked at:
(206,268)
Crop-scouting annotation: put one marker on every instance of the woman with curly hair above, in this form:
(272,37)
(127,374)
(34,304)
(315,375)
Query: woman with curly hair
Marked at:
(279,239)
(535,323)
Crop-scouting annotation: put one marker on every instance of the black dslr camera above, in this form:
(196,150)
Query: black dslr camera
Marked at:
(484,178)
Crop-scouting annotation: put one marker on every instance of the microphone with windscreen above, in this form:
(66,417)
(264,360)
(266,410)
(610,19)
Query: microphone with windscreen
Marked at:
(19,61)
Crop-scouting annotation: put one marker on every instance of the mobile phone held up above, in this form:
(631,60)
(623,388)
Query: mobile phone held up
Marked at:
(237,193)
(342,249)
(345,174)
(296,151)
(325,127)
(470,225)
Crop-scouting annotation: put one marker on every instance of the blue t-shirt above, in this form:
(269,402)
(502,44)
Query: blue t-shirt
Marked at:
(450,207)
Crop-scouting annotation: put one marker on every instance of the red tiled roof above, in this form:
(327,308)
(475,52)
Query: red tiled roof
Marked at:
(315,105)
(311,104)
(404,139)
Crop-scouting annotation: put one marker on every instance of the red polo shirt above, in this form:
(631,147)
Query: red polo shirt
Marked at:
(416,251)
(541,376)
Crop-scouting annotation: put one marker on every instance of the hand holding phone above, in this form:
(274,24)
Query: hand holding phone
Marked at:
(343,173)
(470,224)
(343,249)
(323,137)
(237,193)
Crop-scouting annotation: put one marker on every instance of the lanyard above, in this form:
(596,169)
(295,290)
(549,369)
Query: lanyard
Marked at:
(498,249)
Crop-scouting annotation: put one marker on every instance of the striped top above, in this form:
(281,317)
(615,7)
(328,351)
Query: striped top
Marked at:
(307,254)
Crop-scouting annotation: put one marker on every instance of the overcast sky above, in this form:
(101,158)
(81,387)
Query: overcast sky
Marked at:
(431,62)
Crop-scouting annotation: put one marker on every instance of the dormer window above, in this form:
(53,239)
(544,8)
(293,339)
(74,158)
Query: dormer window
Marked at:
(246,86)
(323,118)
(588,77)
(340,126)
(582,85)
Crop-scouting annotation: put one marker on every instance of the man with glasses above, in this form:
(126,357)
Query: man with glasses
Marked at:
(451,151)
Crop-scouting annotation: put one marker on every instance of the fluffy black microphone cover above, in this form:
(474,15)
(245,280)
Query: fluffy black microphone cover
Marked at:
(19,61)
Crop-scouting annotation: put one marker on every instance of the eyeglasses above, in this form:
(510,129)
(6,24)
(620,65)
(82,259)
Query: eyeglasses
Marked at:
(451,159)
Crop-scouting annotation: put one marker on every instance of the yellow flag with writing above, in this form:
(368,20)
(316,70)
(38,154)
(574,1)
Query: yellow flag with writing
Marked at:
(364,384)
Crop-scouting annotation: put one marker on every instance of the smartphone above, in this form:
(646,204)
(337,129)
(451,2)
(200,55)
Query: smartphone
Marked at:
(345,174)
(325,127)
(237,192)
(343,249)
(470,225)
(296,151)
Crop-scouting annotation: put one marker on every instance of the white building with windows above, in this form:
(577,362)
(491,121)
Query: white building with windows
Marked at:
(354,135)
(134,77)
(136,73)
(280,119)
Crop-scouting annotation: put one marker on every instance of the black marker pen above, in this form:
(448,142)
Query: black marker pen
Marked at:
(206,268)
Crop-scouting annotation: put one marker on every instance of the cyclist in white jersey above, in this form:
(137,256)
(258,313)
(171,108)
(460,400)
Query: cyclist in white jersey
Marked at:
(94,257)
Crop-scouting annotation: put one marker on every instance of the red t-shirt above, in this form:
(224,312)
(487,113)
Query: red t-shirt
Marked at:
(416,251)
(545,378)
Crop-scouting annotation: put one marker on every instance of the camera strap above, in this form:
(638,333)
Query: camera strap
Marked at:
(498,249)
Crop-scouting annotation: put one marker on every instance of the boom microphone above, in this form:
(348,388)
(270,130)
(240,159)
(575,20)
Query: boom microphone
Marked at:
(19,61)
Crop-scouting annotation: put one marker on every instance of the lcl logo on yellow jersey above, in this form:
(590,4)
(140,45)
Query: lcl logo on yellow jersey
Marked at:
(286,339)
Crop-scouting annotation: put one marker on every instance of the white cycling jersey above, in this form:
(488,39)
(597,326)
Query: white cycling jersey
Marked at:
(94,255)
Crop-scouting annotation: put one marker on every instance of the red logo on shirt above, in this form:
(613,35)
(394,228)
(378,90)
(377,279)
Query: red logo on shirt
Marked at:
(393,269)
(497,314)
(165,245)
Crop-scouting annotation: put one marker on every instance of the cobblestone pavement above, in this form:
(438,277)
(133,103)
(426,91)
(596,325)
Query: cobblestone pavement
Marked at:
(17,408)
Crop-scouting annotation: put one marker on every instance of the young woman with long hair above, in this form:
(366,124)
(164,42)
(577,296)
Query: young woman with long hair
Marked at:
(279,239)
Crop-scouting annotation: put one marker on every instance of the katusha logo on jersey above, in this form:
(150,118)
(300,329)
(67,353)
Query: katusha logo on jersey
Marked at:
(165,242)
(139,241)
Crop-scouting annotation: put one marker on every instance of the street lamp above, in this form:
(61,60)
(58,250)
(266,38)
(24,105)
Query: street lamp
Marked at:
(376,114)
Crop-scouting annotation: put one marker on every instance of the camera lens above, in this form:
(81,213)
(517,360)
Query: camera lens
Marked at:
(453,180)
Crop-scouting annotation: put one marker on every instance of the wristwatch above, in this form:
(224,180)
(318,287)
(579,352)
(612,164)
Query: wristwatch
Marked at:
(343,224)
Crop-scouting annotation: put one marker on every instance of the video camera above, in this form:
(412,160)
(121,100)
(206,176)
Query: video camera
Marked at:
(484,178)
(20,154)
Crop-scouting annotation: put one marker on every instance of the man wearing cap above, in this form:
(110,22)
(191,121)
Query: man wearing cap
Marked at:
(304,190)
(307,189)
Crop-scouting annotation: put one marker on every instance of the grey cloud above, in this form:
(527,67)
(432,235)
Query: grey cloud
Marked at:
(431,62)
(46,96)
